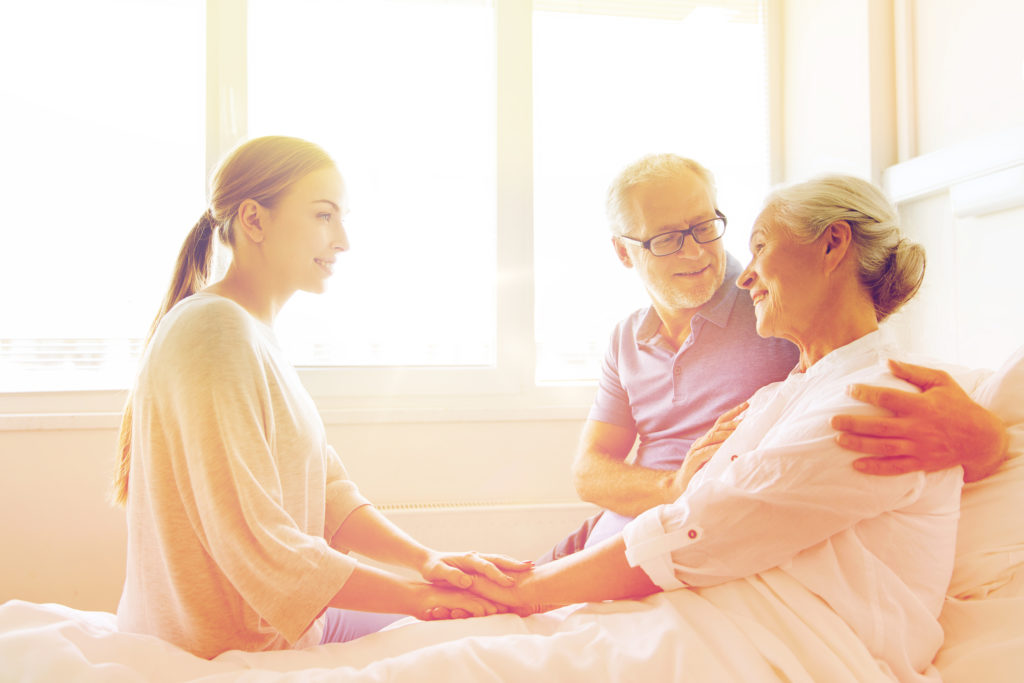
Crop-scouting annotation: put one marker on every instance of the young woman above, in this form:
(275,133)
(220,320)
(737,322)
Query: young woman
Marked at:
(239,512)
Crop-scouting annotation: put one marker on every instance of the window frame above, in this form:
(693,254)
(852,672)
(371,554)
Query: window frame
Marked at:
(345,394)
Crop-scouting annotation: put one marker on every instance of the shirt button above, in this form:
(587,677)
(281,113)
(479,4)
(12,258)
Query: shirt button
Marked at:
(692,533)
(678,371)
(734,457)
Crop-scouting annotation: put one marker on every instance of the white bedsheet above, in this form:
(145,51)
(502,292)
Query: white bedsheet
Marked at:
(766,627)
(984,637)
(763,628)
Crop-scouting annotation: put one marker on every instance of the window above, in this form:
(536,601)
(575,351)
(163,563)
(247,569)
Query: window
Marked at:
(401,92)
(614,81)
(476,138)
(102,139)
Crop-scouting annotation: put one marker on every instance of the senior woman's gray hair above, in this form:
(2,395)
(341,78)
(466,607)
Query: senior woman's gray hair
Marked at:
(891,267)
(651,168)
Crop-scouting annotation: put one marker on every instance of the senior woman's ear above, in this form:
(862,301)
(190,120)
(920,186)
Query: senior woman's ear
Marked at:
(837,237)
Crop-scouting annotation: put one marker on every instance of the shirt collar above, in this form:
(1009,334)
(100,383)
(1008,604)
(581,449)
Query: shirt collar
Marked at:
(881,341)
(716,310)
(647,331)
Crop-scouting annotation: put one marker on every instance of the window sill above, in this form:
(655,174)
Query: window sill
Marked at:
(102,410)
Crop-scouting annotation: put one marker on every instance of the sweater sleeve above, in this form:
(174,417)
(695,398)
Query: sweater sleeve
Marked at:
(343,497)
(227,469)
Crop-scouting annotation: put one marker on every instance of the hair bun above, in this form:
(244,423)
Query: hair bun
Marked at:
(900,278)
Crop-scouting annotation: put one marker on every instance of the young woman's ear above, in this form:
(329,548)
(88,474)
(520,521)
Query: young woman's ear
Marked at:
(250,213)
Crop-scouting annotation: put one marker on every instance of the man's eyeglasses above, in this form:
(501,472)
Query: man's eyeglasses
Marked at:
(670,242)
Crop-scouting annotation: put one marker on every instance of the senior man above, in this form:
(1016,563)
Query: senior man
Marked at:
(673,368)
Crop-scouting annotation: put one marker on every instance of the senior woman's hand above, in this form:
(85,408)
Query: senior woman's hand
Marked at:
(933,430)
(706,446)
(520,598)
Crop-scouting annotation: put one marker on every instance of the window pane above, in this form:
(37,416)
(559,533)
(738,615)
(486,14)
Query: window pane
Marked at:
(401,94)
(102,141)
(614,84)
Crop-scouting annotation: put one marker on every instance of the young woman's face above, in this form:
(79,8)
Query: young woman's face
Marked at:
(304,231)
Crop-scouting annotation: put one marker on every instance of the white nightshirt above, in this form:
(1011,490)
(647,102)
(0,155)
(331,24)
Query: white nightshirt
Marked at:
(781,493)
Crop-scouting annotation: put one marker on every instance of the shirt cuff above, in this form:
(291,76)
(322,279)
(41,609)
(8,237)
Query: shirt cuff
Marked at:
(650,547)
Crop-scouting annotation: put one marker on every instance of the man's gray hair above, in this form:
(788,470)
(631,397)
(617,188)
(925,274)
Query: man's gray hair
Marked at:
(651,168)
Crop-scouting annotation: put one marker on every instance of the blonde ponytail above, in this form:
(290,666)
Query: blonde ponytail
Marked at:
(190,274)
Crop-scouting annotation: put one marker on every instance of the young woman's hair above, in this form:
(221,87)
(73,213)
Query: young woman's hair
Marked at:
(260,169)
(648,169)
(890,266)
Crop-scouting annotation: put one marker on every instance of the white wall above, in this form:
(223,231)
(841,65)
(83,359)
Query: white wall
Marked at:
(838,87)
(60,541)
(968,89)
(969,78)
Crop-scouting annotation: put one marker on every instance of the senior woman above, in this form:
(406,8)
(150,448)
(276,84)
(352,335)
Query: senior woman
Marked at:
(828,265)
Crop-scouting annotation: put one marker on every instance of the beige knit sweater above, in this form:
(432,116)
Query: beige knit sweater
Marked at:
(234,492)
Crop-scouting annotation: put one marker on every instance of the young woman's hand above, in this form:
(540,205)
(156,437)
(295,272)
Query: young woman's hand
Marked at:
(437,602)
(458,569)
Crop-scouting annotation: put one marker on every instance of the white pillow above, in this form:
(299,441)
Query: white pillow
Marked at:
(990,540)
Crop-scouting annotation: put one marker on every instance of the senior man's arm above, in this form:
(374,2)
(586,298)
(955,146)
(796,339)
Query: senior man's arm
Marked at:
(938,428)
(603,477)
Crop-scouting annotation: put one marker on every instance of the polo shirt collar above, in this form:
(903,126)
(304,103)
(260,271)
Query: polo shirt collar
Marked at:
(717,310)
(647,332)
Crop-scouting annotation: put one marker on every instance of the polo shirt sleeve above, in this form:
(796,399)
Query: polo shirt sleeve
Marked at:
(764,507)
(611,404)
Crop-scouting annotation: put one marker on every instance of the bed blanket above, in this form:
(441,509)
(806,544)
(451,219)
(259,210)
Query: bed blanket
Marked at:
(762,628)
(984,637)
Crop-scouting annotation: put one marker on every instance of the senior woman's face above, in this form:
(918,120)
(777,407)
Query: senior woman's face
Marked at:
(781,279)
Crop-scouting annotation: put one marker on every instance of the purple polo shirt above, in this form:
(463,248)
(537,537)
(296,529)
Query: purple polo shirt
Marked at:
(670,398)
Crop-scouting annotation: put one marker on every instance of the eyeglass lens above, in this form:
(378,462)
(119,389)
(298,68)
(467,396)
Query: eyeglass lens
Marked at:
(671,242)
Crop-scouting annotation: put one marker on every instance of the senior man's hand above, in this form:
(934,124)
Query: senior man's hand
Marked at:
(936,429)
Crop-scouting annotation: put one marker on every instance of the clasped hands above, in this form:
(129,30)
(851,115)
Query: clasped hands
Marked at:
(471,584)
